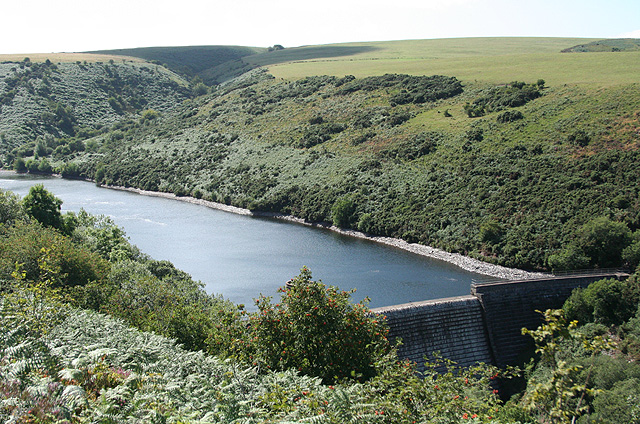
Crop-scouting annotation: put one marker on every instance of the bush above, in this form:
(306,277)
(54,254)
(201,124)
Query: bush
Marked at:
(631,253)
(25,244)
(609,302)
(343,212)
(509,116)
(603,240)
(10,207)
(43,206)
(318,331)
(570,258)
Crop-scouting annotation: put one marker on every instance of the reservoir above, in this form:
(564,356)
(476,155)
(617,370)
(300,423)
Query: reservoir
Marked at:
(241,257)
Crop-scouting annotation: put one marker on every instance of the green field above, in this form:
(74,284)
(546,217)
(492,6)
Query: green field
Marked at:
(491,60)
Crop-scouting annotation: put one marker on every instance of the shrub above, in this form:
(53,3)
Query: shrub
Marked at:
(318,331)
(43,206)
(603,240)
(343,212)
(19,165)
(609,302)
(509,116)
(26,243)
(570,258)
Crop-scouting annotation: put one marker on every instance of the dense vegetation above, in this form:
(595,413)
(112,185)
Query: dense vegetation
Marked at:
(62,362)
(59,104)
(513,174)
(535,170)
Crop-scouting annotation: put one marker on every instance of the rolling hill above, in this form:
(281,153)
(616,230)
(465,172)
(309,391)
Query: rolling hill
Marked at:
(505,149)
(67,95)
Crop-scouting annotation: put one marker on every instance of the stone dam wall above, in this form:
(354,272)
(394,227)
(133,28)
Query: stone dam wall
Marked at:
(484,326)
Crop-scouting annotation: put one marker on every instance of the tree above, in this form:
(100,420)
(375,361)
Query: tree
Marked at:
(19,165)
(10,207)
(199,89)
(318,331)
(342,212)
(558,396)
(603,240)
(609,302)
(43,206)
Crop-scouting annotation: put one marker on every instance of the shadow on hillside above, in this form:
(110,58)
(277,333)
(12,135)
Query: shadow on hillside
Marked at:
(305,53)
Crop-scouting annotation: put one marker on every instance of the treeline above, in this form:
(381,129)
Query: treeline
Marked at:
(311,355)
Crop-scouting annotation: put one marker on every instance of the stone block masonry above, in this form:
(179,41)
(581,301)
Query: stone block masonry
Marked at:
(510,306)
(485,326)
(453,327)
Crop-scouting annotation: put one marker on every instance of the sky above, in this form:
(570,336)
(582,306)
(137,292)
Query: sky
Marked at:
(48,26)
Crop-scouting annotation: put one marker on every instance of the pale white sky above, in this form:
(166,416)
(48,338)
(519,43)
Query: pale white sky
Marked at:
(45,26)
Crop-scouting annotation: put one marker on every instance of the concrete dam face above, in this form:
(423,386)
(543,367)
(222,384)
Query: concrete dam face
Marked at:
(484,326)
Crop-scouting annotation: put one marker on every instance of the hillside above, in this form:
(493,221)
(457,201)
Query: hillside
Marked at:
(212,64)
(609,45)
(509,164)
(75,95)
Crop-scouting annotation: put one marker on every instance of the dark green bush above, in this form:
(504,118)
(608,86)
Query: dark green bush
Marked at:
(509,116)
(608,302)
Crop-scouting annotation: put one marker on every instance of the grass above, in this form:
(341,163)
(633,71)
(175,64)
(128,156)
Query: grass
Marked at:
(488,60)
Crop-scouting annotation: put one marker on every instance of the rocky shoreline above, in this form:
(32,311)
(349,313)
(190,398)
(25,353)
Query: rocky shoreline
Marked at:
(461,261)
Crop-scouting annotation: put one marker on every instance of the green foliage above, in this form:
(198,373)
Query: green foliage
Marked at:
(598,243)
(24,242)
(603,240)
(631,253)
(10,208)
(19,165)
(569,258)
(412,89)
(149,115)
(509,116)
(43,206)
(490,231)
(343,212)
(317,331)
(58,363)
(65,101)
(496,99)
(559,397)
(609,302)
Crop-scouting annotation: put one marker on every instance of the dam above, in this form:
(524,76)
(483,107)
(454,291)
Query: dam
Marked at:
(484,326)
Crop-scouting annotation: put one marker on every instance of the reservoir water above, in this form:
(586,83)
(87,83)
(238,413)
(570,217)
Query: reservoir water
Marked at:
(241,257)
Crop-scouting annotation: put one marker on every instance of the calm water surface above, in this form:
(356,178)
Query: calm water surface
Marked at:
(241,257)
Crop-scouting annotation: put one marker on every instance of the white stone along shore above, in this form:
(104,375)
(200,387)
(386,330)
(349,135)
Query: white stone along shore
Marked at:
(464,262)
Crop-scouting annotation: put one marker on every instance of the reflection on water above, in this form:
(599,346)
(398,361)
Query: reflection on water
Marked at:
(240,256)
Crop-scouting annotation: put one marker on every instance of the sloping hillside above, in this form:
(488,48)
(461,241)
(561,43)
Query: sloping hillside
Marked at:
(608,45)
(213,64)
(526,172)
(77,98)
